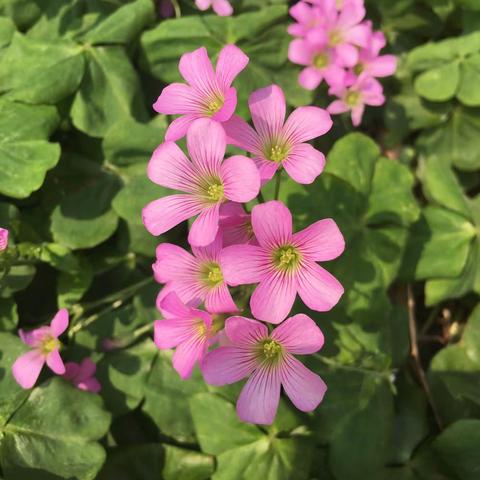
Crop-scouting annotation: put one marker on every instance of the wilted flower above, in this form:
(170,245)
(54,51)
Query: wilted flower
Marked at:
(82,375)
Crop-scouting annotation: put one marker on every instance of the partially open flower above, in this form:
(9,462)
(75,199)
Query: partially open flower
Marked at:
(3,238)
(82,375)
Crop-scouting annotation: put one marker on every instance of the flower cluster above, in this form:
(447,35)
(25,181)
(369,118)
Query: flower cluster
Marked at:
(334,43)
(205,290)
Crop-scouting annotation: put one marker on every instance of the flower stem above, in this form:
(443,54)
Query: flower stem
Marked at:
(278,181)
(260,197)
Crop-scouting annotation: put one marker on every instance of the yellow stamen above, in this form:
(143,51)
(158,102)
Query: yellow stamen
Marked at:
(215,192)
(277,153)
(321,60)
(352,98)
(214,105)
(286,257)
(49,344)
(211,274)
(335,38)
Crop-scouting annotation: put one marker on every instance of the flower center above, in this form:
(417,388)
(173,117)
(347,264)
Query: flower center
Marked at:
(277,153)
(352,98)
(215,192)
(218,321)
(286,257)
(214,105)
(211,189)
(321,60)
(212,274)
(49,344)
(358,68)
(335,38)
(270,350)
(339,4)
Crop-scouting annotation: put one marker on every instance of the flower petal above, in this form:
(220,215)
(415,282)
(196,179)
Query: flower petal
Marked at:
(179,127)
(228,107)
(310,78)
(231,61)
(191,293)
(241,179)
(173,262)
(60,322)
(178,98)
(72,370)
(243,264)
(241,134)
(170,168)
(171,332)
(338,106)
(165,213)
(196,68)
(318,289)
(272,223)
(87,368)
(27,368)
(304,388)
(300,52)
(304,163)
(222,8)
(187,355)
(347,55)
(273,299)
(205,227)
(226,365)
(55,362)
(90,385)
(321,241)
(219,300)
(382,66)
(306,123)
(299,334)
(206,143)
(173,307)
(357,115)
(258,401)
(267,106)
(245,331)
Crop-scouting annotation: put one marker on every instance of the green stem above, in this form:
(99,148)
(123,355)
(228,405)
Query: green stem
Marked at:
(260,197)
(278,181)
(176,7)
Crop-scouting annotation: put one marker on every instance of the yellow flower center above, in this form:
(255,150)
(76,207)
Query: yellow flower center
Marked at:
(321,60)
(201,327)
(269,351)
(49,344)
(215,192)
(335,38)
(211,274)
(352,98)
(214,105)
(358,68)
(286,257)
(277,153)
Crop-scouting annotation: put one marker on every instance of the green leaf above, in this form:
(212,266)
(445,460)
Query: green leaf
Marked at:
(123,25)
(25,153)
(55,430)
(469,89)
(110,91)
(18,278)
(84,218)
(7,29)
(22,12)
(35,71)
(439,84)
(59,257)
(8,315)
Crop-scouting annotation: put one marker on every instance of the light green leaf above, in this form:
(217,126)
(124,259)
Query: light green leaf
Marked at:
(439,84)
(469,89)
(59,257)
(8,315)
(7,29)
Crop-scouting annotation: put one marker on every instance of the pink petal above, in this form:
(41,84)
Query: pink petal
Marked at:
(243,264)
(222,8)
(273,299)
(321,241)
(310,78)
(338,106)
(190,291)
(335,76)
(231,61)
(299,334)
(351,14)
(55,362)
(173,262)
(307,123)
(165,213)
(178,98)
(304,388)
(34,337)
(27,368)
(72,370)
(226,365)
(170,168)
(196,68)
(219,300)
(258,401)
(304,163)
(318,289)
(211,252)
(87,368)
(299,51)
(267,106)
(245,332)
(173,307)
(241,134)
(171,332)
(90,385)
(272,223)
(204,229)
(301,12)
(206,143)
(228,107)
(383,66)
(266,168)
(187,355)
(359,35)
(241,179)
(60,322)
(203,4)
(347,54)
(357,115)
(179,127)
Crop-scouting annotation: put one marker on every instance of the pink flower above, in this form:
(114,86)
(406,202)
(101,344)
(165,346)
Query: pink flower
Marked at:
(220,7)
(184,327)
(194,278)
(207,181)
(208,94)
(236,225)
(284,263)
(3,238)
(365,91)
(268,361)
(306,16)
(45,348)
(278,143)
(82,375)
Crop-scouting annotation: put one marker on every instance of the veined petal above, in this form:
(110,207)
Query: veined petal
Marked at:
(165,213)
(219,300)
(299,334)
(243,264)
(226,365)
(173,263)
(258,401)
(179,127)
(55,362)
(27,368)
(273,299)
(189,291)
(266,168)
(196,68)
(178,98)
(231,61)
(60,322)
(241,134)
(304,388)
(205,227)
(245,331)
(211,252)
(304,163)
(228,107)
(170,168)
(321,241)
(188,354)
(318,289)
(206,143)
(306,123)
(272,223)
(267,106)
(173,307)
(171,332)
(241,179)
